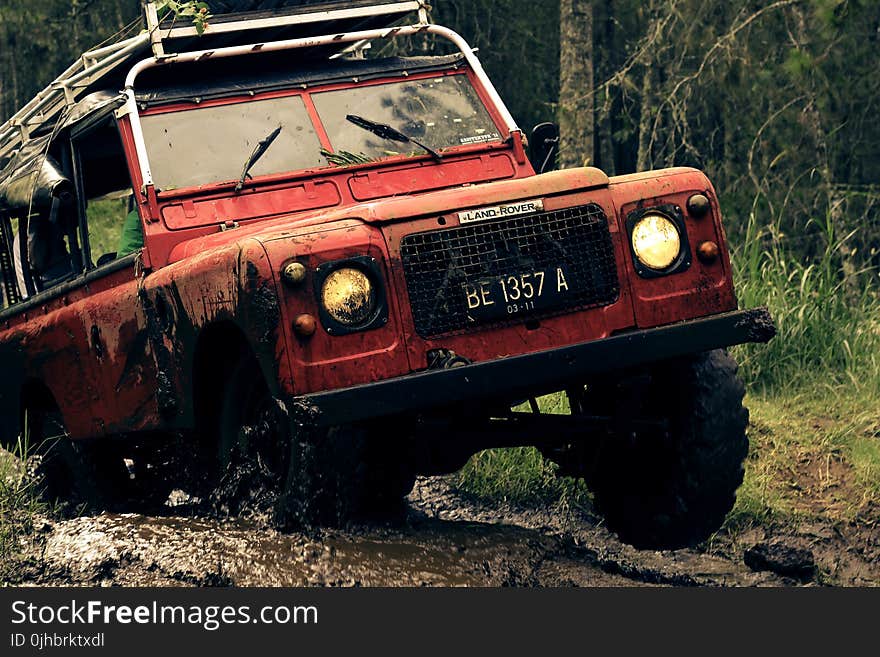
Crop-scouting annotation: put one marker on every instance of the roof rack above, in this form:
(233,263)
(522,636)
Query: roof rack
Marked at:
(164,39)
(329,15)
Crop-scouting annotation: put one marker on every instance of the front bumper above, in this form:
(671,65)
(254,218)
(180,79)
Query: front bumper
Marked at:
(518,377)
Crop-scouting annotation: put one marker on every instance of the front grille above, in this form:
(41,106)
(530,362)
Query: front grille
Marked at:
(439,264)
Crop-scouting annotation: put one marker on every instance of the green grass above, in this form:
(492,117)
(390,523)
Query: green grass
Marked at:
(828,322)
(815,454)
(815,389)
(105,219)
(521,475)
(18,507)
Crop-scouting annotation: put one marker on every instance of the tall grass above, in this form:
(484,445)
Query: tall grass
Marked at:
(19,504)
(828,321)
(519,475)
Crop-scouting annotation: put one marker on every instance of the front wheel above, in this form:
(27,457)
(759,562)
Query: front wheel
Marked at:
(274,456)
(672,485)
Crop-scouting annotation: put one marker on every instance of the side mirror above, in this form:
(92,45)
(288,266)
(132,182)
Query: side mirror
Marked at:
(545,146)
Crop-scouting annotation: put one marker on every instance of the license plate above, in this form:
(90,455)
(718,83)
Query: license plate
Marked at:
(517,294)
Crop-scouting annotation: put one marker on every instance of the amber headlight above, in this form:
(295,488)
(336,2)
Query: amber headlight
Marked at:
(656,241)
(349,296)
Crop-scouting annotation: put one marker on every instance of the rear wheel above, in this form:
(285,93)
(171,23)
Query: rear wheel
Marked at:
(63,470)
(672,485)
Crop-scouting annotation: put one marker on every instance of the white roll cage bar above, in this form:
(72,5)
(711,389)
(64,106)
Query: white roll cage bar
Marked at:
(55,102)
(130,108)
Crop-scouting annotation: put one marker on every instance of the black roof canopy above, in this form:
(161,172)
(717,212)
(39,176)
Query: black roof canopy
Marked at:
(197,82)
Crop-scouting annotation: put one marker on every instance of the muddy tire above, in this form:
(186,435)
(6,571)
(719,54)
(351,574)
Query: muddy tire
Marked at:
(274,457)
(253,443)
(327,477)
(666,490)
(339,474)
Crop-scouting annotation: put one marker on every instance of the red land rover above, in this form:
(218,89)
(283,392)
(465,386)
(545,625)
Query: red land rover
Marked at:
(345,271)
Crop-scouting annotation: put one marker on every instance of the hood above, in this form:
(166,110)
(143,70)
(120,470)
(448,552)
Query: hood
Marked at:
(389,210)
(473,196)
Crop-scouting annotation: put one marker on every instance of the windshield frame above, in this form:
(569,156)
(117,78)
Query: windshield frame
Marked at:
(130,118)
(419,159)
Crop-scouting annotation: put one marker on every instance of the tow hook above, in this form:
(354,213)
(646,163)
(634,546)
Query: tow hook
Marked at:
(445,359)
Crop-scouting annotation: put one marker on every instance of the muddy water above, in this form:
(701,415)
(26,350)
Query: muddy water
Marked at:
(138,550)
(438,539)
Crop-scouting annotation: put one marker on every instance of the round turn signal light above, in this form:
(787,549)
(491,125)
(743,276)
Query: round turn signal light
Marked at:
(293,273)
(305,325)
(698,206)
(708,252)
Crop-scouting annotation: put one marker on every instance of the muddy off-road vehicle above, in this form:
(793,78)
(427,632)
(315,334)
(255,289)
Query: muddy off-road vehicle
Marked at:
(333,271)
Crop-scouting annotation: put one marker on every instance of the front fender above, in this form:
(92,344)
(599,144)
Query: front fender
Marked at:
(234,285)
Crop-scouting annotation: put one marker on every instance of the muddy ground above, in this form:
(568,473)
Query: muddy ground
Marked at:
(438,539)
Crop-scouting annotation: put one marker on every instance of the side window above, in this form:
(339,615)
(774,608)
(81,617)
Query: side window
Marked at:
(106,220)
(39,245)
(111,228)
(45,248)
(9,291)
(12,264)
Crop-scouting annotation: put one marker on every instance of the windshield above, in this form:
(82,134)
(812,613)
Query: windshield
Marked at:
(441,112)
(212,144)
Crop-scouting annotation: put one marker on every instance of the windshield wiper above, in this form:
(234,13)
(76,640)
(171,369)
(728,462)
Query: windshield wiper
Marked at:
(391,134)
(254,157)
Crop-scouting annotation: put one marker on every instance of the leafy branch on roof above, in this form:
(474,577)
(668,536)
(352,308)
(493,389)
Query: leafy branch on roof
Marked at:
(199,12)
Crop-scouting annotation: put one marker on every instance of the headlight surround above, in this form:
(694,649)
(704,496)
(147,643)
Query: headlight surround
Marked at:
(656,241)
(349,296)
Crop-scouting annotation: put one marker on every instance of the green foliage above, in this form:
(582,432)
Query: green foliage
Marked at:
(345,159)
(797,63)
(828,320)
(830,13)
(40,38)
(105,219)
(198,12)
(19,505)
(519,475)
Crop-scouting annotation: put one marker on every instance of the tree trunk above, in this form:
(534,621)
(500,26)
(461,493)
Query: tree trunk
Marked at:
(606,49)
(645,159)
(576,117)
(606,138)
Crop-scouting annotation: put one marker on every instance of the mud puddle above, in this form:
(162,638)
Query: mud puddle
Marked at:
(439,539)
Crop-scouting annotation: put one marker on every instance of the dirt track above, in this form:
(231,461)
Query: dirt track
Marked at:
(440,539)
